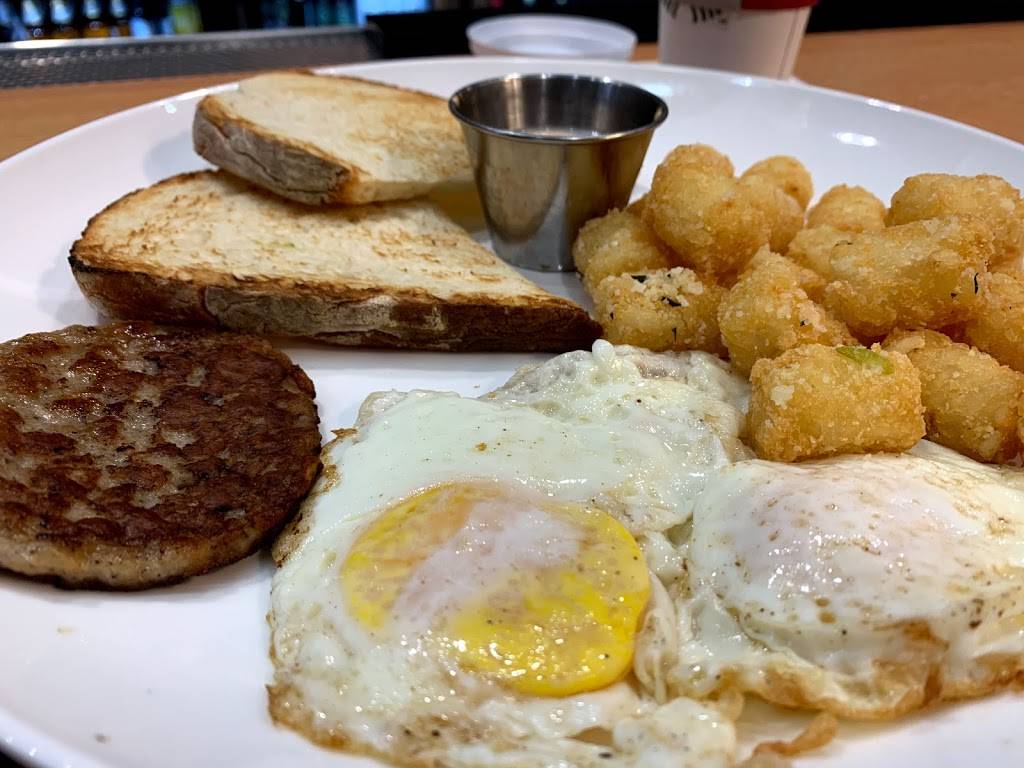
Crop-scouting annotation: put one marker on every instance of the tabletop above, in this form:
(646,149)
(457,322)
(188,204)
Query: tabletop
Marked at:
(972,73)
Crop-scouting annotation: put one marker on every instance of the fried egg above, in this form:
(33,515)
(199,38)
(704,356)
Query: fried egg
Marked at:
(867,586)
(464,586)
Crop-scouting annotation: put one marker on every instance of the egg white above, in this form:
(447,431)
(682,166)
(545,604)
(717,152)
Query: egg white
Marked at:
(636,433)
(867,586)
(623,430)
(668,422)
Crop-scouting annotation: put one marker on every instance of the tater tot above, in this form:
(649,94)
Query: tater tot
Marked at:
(970,400)
(697,157)
(992,199)
(769,310)
(817,400)
(786,271)
(784,215)
(1013,267)
(997,324)
(850,209)
(615,243)
(636,208)
(812,248)
(710,224)
(660,309)
(921,275)
(787,173)
(1020,418)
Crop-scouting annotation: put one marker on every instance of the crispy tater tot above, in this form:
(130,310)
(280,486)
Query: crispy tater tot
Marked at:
(615,243)
(787,173)
(1020,418)
(660,309)
(922,275)
(697,157)
(769,310)
(785,270)
(784,215)
(851,209)
(817,400)
(1014,267)
(990,198)
(707,220)
(970,400)
(812,248)
(636,208)
(997,324)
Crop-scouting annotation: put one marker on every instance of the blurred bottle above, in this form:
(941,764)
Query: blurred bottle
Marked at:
(62,20)
(158,13)
(33,17)
(184,16)
(345,12)
(154,16)
(94,21)
(366,7)
(11,28)
(275,13)
(119,18)
(138,24)
(325,13)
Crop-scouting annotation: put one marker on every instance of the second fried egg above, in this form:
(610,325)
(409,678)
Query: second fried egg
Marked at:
(867,586)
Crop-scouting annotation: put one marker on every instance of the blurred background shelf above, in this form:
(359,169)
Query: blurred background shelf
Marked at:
(47,42)
(54,62)
(432,26)
(126,52)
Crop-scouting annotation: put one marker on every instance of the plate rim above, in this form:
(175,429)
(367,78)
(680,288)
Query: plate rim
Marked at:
(388,64)
(14,730)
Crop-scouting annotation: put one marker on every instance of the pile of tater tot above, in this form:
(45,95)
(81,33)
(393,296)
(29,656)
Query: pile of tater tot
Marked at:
(862,328)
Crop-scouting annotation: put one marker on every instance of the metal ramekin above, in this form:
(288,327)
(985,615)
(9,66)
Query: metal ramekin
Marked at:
(550,152)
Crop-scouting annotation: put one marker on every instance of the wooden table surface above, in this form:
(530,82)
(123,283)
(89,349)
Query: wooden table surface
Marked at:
(973,73)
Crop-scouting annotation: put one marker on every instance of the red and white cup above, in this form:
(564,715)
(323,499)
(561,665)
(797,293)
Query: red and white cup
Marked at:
(758,37)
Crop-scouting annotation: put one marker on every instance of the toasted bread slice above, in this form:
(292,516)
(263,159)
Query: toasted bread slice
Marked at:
(319,139)
(206,248)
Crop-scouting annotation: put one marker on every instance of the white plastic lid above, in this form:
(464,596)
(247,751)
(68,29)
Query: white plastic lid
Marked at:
(544,34)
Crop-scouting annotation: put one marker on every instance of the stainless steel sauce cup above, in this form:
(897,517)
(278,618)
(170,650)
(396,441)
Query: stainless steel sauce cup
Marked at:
(550,152)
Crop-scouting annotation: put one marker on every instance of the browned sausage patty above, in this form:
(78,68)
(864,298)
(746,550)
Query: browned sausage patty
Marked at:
(133,454)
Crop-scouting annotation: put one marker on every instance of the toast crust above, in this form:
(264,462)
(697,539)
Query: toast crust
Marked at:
(364,319)
(358,313)
(295,169)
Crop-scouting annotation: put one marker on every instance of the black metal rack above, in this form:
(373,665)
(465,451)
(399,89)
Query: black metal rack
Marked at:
(52,62)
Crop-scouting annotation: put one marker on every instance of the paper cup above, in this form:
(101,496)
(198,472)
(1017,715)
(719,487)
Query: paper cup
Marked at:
(730,35)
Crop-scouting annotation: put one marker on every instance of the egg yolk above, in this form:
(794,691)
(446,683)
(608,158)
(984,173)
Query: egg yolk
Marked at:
(540,596)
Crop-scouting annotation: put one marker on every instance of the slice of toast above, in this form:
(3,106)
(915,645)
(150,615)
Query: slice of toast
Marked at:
(321,139)
(206,248)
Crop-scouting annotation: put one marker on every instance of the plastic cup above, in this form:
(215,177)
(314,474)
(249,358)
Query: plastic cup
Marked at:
(551,35)
(731,35)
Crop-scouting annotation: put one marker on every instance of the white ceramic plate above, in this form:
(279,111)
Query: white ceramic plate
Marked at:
(175,677)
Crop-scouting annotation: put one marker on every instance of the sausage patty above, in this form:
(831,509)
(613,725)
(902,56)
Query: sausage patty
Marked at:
(133,455)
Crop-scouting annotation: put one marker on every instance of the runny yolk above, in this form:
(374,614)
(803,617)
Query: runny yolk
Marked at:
(542,597)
